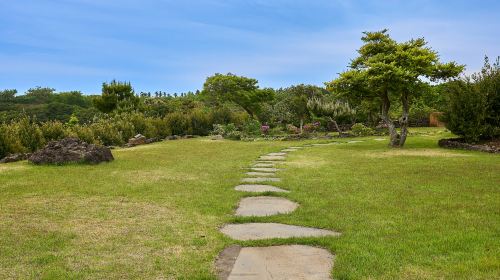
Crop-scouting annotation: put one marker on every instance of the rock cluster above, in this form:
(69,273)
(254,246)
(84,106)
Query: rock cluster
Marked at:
(457,143)
(14,157)
(70,150)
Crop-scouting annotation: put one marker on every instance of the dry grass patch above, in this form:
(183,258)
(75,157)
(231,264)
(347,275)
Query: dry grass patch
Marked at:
(415,153)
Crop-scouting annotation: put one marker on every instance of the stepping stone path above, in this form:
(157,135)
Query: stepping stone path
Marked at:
(265,206)
(258,188)
(285,262)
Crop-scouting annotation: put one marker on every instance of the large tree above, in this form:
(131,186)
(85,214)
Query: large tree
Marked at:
(219,89)
(115,94)
(387,72)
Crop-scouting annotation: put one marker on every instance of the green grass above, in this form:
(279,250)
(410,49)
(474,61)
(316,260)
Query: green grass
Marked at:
(417,213)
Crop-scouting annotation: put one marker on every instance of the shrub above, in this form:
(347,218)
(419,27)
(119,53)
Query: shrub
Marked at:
(228,131)
(29,134)
(199,122)
(311,127)
(84,133)
(177,122)
(292,129)
(161,127)
(252,127)
(360,129)
(53,130)
(474,105)
(107,133)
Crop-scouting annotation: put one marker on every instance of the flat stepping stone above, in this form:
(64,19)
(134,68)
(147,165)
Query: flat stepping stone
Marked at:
(265,161)
(260,180)
(261,174)
(264,169)
(258,188)
(261,206)
(276,154)
(323,144)
(355,141)
(263,165)
(289,150)
(295,147)
(379,139)
(259,231)
(272,158)
(275,262)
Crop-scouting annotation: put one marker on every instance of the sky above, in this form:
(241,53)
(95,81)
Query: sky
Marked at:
(173,45)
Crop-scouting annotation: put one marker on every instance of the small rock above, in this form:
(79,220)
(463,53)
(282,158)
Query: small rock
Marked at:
(216,137)
(139,139)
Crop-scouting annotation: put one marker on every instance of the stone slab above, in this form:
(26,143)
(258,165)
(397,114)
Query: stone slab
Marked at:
(289,150)
(263,165)
(295,147)
(287,262)
(259,188)
(264,169)
(272,158)
(259,231)
(261,174)
(225,261)
(260,180)
(276,154)
(261,206)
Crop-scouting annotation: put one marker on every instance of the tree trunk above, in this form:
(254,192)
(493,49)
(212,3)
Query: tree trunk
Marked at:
(404,119)
(386,105)
(336,126)
(301,125)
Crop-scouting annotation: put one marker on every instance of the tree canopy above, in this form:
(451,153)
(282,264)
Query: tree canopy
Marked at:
(387,72)
(219,89)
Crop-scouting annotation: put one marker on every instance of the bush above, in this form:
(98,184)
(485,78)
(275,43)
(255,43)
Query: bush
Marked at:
(360,129)
(474,105)
(228,131)
(29,134)
(177,122)
(252,127)
(83,133)
(53,130)
(106,133)
(200,122)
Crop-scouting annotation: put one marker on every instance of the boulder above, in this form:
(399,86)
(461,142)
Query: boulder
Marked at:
(14,157)
(139,139)
(217,137)
(70,150)
(172,137)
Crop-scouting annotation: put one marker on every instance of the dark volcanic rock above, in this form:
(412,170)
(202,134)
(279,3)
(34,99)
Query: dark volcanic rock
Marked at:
(458,143)
(14,158)
(71,150)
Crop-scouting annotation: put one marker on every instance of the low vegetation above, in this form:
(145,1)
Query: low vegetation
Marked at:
(156,210)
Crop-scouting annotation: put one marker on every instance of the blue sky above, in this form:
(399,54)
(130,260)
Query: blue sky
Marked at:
(174,45)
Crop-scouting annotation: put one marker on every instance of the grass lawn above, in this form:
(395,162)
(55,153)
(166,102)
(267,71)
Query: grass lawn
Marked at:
(417,213)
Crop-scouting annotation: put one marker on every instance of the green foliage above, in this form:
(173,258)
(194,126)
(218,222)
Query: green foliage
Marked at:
(252,128)
(7,95)
(177,122)
(116,95)
(228,131)
(73,120)
(387,72)
(53,130)
(360,129)
(40,94)
(220,89)
(29,134)
(474,104)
